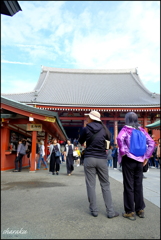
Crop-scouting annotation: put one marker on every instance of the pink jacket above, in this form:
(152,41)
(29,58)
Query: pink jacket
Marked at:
(123,141)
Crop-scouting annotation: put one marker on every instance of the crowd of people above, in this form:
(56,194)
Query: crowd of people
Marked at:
(50,161)
(96,159)
(24,148)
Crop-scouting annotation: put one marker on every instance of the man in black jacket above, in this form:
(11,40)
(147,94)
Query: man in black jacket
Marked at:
(95,161)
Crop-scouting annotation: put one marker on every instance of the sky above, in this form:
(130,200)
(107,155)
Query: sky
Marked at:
(80,35)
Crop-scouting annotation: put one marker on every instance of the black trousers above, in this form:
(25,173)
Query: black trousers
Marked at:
(18,161)
(70,163)
(132,171)
(114,162)
(54,163)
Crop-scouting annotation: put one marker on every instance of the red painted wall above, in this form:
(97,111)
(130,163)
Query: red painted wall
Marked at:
(156,134)
(9,162)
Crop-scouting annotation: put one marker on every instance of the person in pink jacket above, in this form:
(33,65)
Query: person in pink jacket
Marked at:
(132,167)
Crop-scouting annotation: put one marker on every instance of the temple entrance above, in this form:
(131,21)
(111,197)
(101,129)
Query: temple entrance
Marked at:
(73,132)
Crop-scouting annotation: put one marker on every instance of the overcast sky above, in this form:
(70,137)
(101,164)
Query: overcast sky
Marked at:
(80,35)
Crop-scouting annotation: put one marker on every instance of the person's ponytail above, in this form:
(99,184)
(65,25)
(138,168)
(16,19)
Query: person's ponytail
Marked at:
(107,131)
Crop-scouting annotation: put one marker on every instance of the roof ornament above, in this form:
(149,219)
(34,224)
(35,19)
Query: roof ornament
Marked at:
(153,95)
(36,93)
(136,70)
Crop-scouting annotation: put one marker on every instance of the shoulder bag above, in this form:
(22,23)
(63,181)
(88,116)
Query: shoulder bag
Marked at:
(57,153)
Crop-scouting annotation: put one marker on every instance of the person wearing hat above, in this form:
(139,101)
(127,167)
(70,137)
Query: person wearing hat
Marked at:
(95,162)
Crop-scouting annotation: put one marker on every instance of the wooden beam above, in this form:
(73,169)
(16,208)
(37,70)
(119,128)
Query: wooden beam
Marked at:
(23,112)
(7,115)
(19,121)
(102,118)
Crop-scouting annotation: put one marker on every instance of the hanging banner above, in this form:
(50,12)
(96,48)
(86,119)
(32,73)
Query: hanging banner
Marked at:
(34,127)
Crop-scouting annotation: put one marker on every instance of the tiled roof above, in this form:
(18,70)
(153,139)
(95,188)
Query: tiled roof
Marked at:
(89,88)
(32,109)
(155,124)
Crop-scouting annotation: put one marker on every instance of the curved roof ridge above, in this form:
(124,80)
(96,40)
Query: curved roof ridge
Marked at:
(68,70)
(43,82)
(40,80)
(146,88)
(141,84)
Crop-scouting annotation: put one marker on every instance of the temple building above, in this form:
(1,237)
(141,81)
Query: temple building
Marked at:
(20,121)
(73,92)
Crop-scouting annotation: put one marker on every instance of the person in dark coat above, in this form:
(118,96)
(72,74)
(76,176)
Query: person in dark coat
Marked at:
(95,162)
(68,151)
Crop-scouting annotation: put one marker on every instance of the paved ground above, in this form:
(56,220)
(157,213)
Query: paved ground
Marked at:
(42,206)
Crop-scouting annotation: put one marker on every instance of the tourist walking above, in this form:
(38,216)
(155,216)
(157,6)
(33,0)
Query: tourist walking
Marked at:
(68,151)
(109,157)
(54,165)
(41,156)
(95,162)
(21,151)
(77,156)
(133,159)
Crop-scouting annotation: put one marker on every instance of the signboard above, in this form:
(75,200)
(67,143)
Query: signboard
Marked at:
(50,119)
(34,127)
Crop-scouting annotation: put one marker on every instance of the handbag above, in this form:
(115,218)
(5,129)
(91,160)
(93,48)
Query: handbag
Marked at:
(57,154)
(75,154)
(145,168)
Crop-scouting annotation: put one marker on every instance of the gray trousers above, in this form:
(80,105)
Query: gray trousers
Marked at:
(93,166)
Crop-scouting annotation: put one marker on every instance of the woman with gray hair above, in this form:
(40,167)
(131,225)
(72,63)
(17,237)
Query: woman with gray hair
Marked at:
(132,165)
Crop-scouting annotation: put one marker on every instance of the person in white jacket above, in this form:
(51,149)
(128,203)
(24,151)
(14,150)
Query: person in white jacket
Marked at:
(41,156)
(68,151)
(54,160)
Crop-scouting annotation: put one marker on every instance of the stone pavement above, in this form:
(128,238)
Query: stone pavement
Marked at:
(151,184)
(44,206)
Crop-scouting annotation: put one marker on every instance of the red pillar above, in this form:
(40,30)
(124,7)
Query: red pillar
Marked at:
(33,152)
(145,122)
(153,118)
(46,143)
(4,144)
(115,131)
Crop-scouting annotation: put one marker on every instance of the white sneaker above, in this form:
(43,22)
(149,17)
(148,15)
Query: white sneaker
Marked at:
(115,169)
(77,165)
